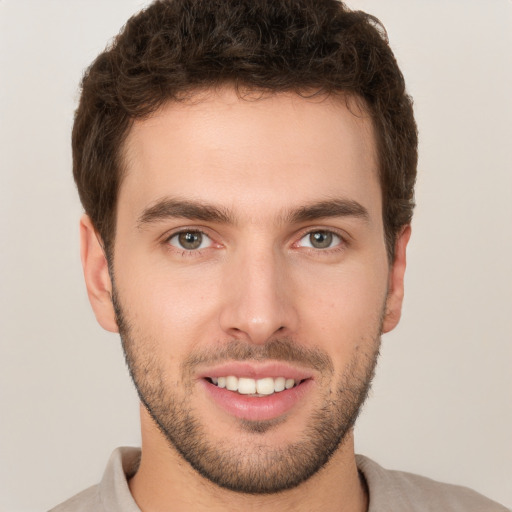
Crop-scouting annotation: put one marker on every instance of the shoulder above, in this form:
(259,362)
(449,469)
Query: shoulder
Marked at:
(112,494)
(85,501)
(398,491)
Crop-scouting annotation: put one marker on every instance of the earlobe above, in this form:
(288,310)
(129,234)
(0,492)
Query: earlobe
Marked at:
(396,282)
(97,278)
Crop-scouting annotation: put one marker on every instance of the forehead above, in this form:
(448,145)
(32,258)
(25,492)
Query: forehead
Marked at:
(257,150)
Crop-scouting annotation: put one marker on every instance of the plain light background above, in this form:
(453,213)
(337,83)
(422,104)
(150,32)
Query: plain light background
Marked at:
(441,402)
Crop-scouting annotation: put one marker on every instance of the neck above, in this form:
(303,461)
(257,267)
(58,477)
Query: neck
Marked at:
(165,478)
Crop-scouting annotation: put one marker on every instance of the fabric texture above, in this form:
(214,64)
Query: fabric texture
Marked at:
(389,491)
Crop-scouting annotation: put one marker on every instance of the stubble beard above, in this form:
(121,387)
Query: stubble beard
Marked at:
(256,467)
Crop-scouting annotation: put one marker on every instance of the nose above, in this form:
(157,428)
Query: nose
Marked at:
(258,302)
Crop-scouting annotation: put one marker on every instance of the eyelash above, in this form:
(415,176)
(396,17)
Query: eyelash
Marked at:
(341,245)
(187,252)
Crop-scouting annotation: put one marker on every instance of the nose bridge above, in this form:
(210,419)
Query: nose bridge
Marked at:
(258,301)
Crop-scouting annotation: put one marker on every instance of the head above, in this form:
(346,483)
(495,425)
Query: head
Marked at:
(247,172)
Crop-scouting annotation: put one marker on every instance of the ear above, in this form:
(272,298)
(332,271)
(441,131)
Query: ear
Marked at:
(396,282)
(97,278)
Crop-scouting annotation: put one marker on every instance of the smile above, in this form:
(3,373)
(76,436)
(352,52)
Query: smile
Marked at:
(255,387)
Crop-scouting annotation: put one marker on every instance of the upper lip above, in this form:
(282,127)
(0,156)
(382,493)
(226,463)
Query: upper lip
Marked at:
(255,370)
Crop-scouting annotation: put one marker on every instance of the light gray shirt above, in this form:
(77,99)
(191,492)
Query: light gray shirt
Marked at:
(389,491)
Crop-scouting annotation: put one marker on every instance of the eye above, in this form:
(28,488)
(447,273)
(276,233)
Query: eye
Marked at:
(190,240)
(320,240)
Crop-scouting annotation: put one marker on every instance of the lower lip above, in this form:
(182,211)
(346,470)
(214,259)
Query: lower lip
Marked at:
(253,408)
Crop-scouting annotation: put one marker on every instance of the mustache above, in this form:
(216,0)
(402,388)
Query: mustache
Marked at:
(283,349)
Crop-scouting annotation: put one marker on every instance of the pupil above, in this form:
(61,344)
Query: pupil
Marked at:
(321,239)
(190,240)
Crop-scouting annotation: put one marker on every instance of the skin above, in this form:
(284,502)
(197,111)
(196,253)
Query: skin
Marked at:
(257,280)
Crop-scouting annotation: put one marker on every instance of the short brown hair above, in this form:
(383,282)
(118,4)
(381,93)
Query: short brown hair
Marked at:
(176,46)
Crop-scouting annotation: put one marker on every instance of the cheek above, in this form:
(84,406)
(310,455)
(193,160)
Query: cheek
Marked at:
(168,305)
(341,309)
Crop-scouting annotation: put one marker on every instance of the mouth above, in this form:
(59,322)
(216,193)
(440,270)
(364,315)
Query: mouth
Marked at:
(257,392)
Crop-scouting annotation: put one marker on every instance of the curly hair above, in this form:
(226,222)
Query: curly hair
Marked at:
(174,47)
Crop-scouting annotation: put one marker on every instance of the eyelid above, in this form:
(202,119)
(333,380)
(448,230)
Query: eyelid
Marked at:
(166,237)
(185,229)
(204,238)
(343,238)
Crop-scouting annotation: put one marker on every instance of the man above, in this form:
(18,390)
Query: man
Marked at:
(247,172)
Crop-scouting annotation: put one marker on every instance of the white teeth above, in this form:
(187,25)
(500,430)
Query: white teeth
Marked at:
(261,387)
(265,386)
(279,384)
(246,386)
(232,383)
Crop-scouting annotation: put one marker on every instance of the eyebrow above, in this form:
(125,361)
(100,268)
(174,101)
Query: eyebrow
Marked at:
(169,208)
(327,209)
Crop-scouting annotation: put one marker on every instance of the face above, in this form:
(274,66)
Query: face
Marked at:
(251,282)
